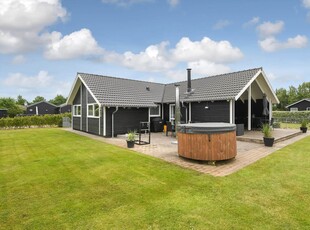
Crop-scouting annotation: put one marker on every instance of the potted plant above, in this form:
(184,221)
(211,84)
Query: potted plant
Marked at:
(268,139)
(303,126)
(131,136)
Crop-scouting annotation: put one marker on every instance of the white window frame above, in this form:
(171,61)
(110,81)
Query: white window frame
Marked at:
(75,109)
(93,115)
(159,112)
(308,109)
(293,109)
(171,108)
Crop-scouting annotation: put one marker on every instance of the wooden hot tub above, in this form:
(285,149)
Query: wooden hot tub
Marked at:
(207,141)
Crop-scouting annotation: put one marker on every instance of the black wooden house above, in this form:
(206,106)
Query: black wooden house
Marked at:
(301,105)
(41,108)
(104,105)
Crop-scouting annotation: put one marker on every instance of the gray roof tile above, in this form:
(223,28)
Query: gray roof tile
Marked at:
(219,87)
(111,91)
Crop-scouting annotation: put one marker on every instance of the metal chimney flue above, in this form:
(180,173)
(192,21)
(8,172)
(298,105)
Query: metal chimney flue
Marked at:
(189,81)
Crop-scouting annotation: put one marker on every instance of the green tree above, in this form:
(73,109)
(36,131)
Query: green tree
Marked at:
(38,99)
(20,100)
(283,98)
(58,100)
(304,90)
(292,95)
(10,104)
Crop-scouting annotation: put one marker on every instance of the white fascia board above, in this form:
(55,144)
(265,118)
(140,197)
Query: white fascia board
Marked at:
(270,87)
(35,104)
(297,102)
(247,85)
(73,91)
(91,93)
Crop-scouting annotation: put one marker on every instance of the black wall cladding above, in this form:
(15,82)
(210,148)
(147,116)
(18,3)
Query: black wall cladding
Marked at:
(125,119)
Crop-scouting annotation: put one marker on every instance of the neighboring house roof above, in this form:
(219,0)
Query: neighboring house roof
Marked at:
(34,104)
(62,105)
(305,99)
(111,91)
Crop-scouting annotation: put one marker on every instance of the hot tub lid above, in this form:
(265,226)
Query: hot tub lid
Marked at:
(209,127)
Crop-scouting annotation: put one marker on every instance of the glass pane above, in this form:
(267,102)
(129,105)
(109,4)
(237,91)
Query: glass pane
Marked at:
(172,111)
(90,110)
(97,110)
(154,110)
(78,110)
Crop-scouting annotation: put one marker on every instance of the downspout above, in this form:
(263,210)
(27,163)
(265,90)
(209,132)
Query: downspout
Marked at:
(113,121)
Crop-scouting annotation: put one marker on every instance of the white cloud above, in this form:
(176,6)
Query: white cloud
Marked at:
(306,4)
(77,44)
(271,44)
(206,49)
(200,68)
(42,84)
(30,15)
(268,29)
(221,24)
(22,21)
(124,3)
(203,67)
(252,22)
(18,80)
(19,59)
(205,57)
(154,58)
(173,3)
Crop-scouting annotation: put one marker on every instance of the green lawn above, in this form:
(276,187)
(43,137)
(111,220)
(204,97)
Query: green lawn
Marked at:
(53,179)
(289,125)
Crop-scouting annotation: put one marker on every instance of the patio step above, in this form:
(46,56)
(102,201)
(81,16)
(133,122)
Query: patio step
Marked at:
(260,139)
(250,139)
(287,137)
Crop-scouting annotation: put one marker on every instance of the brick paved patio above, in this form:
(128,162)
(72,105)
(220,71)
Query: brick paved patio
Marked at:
(163,147)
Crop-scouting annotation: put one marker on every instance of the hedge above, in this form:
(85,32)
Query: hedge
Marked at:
(291,117)
(33,121)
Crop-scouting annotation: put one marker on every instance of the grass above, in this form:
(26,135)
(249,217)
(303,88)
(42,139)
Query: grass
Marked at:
(53,179)
(289,125)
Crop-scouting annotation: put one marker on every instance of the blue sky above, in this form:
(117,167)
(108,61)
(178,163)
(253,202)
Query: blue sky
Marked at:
(44,43)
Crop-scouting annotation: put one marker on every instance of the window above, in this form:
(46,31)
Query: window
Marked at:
(77,110)
(155,111)
(293,109)
(308,108)
(172,112)
(93,110)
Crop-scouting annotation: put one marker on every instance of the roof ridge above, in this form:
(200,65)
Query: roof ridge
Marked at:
(41,102)
(217,75)
(121,78)
(165,84)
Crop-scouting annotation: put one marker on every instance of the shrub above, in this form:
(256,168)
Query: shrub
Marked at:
(276,125)
(291,117)
(36,121)
(131,135)
(304,123)
(267,130)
